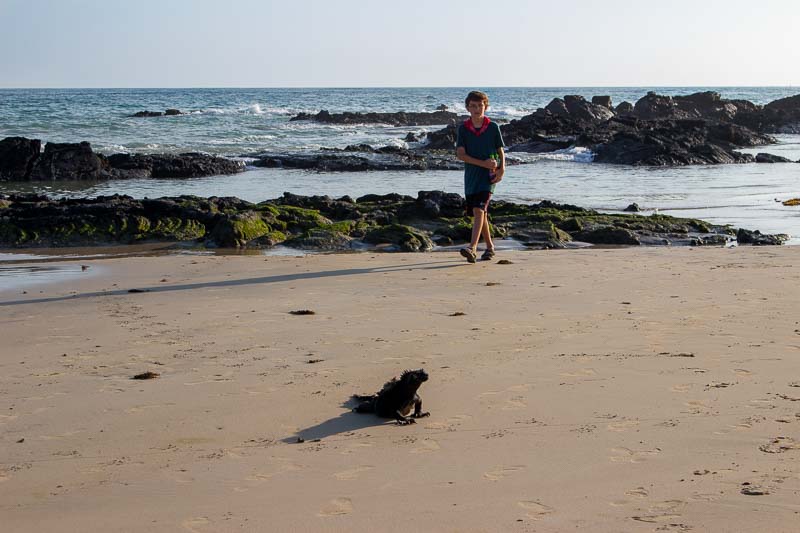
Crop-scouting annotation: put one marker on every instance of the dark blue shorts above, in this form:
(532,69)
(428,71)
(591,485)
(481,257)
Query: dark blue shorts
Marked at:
(479,200)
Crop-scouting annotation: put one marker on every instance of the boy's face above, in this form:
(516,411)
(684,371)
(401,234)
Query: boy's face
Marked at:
(476,108)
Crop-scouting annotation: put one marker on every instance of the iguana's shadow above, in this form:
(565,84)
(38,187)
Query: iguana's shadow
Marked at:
(345,422)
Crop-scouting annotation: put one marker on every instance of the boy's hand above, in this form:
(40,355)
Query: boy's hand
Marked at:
(498,175)
(491,164)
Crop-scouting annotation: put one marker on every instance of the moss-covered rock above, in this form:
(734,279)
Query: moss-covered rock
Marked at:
(608,235)
(238,230)
(541,234)
(325,239)
(299,219)
(405,238)
(319,222)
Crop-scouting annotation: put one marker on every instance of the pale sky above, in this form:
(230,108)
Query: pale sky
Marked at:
(369,43)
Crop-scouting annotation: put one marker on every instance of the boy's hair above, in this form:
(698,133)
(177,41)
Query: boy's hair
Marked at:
(476,96)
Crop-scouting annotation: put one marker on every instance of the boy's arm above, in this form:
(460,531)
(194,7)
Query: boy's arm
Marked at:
(461,153)
(501,168)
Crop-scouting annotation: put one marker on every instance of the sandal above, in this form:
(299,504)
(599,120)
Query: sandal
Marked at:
(470,254)
(488,254)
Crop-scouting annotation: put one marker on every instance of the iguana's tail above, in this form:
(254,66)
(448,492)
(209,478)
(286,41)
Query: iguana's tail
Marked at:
(366,405)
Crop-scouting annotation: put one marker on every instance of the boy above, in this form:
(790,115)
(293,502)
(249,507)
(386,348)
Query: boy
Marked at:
(479,145)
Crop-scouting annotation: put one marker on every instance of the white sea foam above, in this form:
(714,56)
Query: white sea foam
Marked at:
(579,154)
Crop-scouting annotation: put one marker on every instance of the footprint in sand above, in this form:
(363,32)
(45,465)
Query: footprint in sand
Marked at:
(196,525)
(427,445)
(448,424)
(661,512)
(5,419)
(517,402)
(213,380)
(703,497)
(626,455)
(683,387)
(638,492)
(697,407)
(353,473)
(623,425)
(742,372)
(337,507)
(536,510)
(282,466)
(356,447)
(502,472)
(762,403)
(581,373)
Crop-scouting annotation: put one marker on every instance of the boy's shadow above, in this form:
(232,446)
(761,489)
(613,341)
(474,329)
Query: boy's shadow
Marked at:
(345,422)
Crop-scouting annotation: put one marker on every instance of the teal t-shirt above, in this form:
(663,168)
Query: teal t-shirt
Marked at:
(476,179)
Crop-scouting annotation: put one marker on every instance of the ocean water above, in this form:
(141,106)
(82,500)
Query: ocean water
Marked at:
(237,122)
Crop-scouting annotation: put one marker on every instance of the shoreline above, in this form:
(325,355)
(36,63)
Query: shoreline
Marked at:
(625,389)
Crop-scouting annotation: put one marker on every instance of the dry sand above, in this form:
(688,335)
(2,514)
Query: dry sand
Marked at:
(606,390)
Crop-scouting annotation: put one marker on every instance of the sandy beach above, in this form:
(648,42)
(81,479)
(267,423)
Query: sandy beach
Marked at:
(607,390)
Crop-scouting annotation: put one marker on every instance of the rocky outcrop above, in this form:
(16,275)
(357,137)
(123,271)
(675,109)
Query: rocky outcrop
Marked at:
(389,222)
(17,157)
(362,157)
(400,118)
(770,158)
(69,161)
(700,128)
(171,166)
(578,109)
(21,160)
(624,108)
(604,101)
(168,113)
(672,142)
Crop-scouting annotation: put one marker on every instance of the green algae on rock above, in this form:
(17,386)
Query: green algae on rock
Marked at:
(391,222)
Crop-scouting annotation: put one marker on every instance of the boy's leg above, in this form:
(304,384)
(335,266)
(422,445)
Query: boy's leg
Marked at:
(486,233)
(478,221)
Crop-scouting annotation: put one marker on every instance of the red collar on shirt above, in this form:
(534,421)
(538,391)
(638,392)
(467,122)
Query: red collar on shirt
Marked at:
(470,127)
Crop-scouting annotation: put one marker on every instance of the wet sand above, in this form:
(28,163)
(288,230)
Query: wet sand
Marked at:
(615,390)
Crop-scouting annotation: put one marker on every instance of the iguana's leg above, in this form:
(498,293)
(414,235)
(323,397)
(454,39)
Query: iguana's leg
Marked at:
(418,408)
(402,420)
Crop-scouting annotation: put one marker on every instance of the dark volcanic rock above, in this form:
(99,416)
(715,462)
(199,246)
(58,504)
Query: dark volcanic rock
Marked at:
(444,139)
(168,113)
(632,208)
(400,118)
(756,238)
(17,157)
(604,101)
(708,105)
(360,158)
(580,109)
(69,161)
(783,116)
(770,158)
(654,106)
(677,142)
(20,160)
(624,108)
(700,128)
(161,166)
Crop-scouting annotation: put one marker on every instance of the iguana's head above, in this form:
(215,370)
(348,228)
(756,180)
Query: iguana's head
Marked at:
(414,377)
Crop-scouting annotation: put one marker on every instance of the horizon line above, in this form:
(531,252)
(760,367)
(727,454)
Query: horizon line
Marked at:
(407,87)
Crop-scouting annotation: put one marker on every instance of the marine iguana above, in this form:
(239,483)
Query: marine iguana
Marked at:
(396,398)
